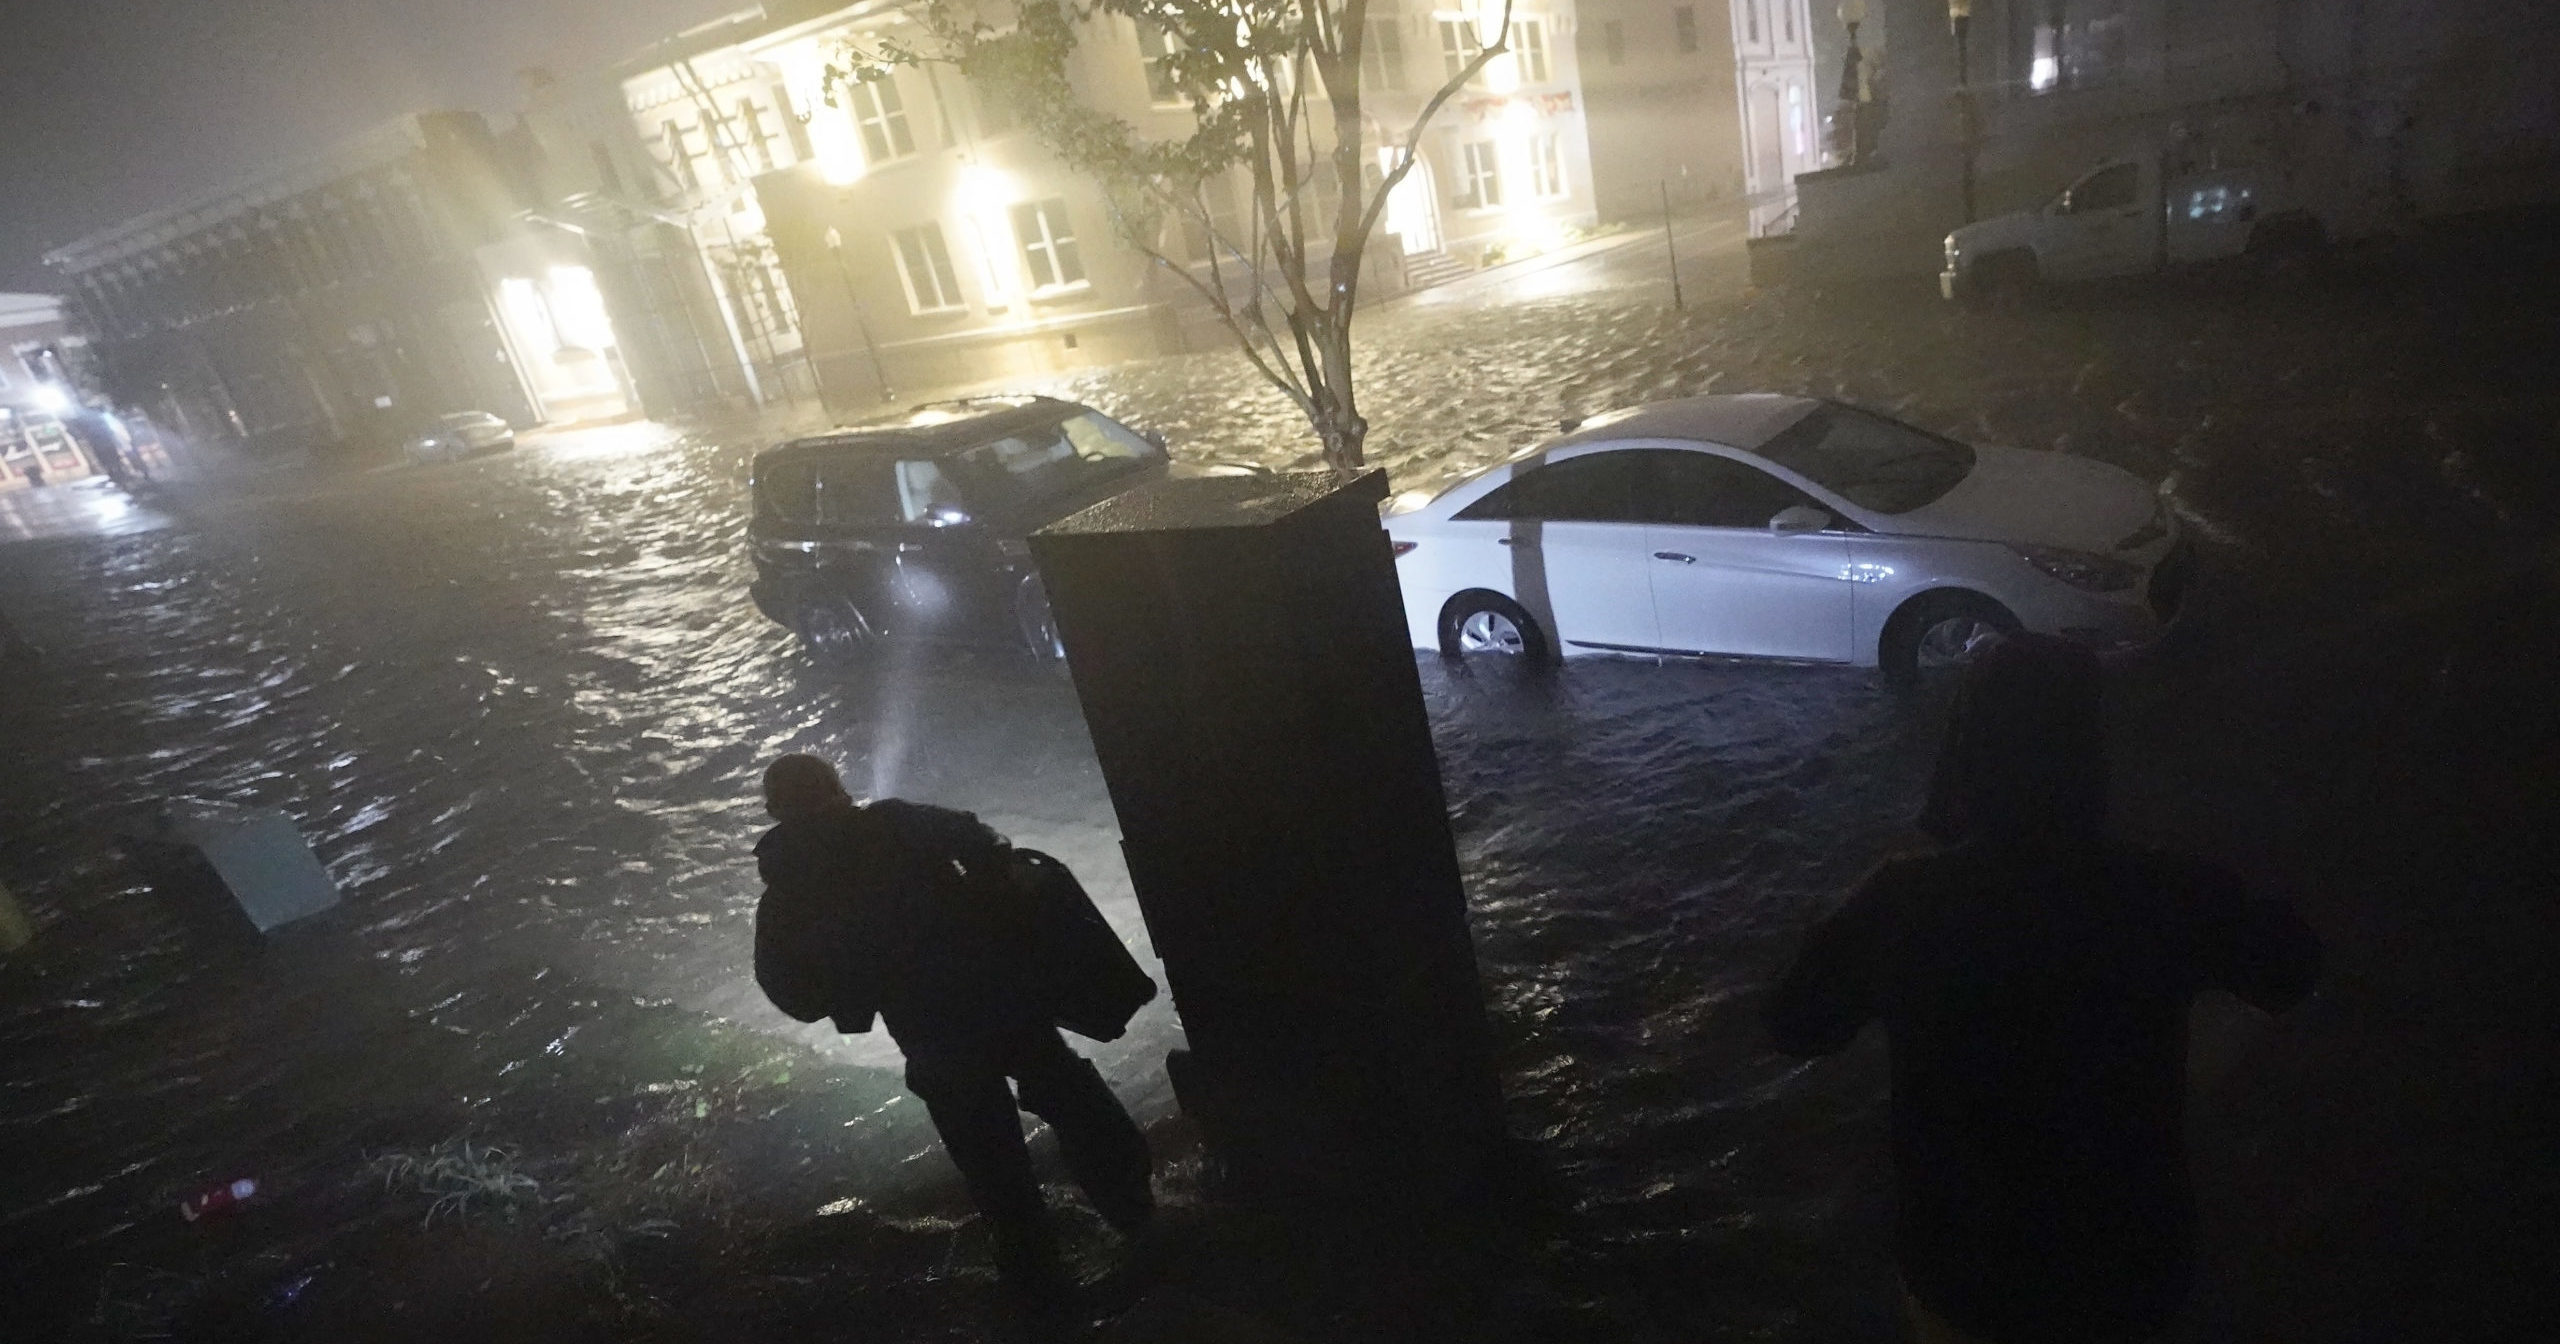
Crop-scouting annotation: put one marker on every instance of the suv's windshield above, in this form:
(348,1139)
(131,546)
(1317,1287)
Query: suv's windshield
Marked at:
(1052,461)
(1875,463)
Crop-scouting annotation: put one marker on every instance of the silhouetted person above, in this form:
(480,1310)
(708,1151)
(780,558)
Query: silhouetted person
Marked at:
(2034,977)
(911,913)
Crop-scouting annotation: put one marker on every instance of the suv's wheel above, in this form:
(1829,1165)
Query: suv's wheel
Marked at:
(833,631)
(1489,623)
(1039,624)
(1939,630)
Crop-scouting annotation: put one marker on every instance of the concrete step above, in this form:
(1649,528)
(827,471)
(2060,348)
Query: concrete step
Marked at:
(1422,270)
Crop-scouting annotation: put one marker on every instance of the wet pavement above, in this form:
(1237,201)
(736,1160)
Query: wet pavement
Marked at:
(518,705)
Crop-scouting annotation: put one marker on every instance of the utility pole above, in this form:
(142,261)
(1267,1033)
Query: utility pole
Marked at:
(1668,248)
(1960,22)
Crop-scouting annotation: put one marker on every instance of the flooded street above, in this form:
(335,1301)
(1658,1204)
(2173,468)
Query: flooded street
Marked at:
(518,705)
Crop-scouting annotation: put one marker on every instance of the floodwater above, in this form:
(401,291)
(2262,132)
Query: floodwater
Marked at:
(519,705)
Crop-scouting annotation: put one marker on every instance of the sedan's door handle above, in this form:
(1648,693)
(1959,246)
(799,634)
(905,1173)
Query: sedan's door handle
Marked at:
(1675,555)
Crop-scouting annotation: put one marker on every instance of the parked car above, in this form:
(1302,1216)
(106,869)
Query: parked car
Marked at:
(2154,212)
(1787,528)
(460,434)
(916,527)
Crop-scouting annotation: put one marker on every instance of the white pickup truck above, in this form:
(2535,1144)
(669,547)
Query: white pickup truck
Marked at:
(2116,220)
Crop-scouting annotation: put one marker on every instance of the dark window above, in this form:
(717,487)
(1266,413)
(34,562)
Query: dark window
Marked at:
(2106,189)
(1598,488)
(1703,490)
(839,491)
(1156,49)
(788,492)
(855,490)
(1684,27)
(1382,55)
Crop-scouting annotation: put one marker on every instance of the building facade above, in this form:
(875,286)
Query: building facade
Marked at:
(39,393)
(2438,106)
(339,302)
(1666,107)
(907,232)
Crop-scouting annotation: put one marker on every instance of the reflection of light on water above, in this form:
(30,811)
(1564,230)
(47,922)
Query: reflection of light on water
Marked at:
(603,441)
(894,714)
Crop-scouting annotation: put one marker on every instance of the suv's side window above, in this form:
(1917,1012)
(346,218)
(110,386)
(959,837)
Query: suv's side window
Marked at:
(1685,489)
(923,488)
(788,493)
(853,491)
(1596,488)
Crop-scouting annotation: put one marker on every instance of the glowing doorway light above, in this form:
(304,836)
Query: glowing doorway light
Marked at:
(2043,73)
(51,399)
(577,308)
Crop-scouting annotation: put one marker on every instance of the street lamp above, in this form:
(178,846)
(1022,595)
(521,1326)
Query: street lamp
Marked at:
(861,322)
(1960,22)
(1853,84)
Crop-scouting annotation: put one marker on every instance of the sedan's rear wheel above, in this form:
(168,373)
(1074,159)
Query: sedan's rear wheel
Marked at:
(1939,631)
(1490,624)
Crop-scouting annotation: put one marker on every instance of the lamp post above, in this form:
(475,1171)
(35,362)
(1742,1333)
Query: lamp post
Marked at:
(1960,22)
(861,322)
(1853,83)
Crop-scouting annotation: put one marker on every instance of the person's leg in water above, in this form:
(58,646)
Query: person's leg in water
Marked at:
(973,1110)
(1102,1146)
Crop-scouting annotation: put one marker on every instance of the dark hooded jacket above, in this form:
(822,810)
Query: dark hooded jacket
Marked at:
(2033,978)
(895,910)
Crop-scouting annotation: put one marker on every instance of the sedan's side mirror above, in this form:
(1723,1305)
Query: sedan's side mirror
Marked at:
(1154,436)
(1799,518)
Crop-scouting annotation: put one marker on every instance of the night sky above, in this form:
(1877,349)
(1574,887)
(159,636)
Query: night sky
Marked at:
(110,108)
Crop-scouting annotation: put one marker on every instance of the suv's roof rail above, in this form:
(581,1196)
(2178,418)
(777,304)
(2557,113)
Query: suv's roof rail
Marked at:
(1007,401)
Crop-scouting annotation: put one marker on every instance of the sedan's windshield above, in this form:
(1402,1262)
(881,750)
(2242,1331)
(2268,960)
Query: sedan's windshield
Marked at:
(1875,463)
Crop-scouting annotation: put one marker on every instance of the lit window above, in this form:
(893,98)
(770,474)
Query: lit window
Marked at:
(1382,56)
(1048,245)
(924,263)
(1155,50)
(883,121)
(1529,47)
(1458,46)
(1479,175)
(1546,167)
(1684,27)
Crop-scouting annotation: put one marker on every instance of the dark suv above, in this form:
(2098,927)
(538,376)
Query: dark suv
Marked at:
(914,528)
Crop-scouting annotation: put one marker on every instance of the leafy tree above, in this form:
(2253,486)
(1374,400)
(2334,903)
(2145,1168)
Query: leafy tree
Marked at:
(1274,92)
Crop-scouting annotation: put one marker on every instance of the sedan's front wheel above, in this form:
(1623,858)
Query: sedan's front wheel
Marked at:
(1489,623)
(1937,631)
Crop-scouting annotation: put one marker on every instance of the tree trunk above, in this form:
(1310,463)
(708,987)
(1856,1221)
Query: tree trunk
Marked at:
(1344,436)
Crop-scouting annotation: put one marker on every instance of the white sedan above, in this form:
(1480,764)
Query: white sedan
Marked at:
(1782,527)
